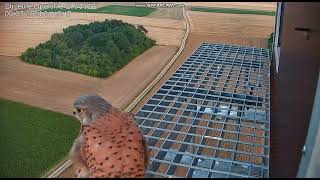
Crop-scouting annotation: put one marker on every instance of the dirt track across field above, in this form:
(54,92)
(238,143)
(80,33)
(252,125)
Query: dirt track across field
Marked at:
(56,89)
(167,13)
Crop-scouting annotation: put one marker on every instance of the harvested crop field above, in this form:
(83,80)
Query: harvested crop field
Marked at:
(270,6)
(131,80)
(233,25)
(167,13)
(56,89)
(19,33)
(237,29)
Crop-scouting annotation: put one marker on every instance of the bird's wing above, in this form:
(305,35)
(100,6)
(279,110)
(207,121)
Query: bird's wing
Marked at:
(144,143)
(114,146)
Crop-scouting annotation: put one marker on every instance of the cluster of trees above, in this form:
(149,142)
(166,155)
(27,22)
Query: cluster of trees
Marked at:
(96,49)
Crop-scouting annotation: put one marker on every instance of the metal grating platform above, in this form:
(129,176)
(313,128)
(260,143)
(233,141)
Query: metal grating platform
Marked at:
(211,118)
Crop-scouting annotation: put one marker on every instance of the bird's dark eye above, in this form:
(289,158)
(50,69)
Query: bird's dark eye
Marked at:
(78,109)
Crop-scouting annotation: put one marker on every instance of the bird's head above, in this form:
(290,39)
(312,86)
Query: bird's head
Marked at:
(89,107)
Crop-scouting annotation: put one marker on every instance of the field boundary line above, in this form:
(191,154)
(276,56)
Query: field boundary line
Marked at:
(67,163)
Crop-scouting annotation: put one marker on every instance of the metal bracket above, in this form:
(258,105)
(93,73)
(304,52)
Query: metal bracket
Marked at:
(304,149)
(307,31)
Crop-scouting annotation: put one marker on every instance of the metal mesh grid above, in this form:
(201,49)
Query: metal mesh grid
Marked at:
(211,118)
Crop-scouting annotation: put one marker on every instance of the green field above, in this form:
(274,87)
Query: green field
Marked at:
(33,140)
(112,9)
(233,11)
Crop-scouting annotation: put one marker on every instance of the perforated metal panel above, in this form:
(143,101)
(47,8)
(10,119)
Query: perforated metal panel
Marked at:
(211,118)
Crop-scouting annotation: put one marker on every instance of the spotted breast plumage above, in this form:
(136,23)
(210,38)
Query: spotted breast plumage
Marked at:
(110,143)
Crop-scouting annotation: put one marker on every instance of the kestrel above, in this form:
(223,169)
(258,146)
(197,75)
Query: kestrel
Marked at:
(110,143)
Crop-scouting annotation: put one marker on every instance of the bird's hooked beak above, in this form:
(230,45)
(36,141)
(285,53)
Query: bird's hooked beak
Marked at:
(74,111)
